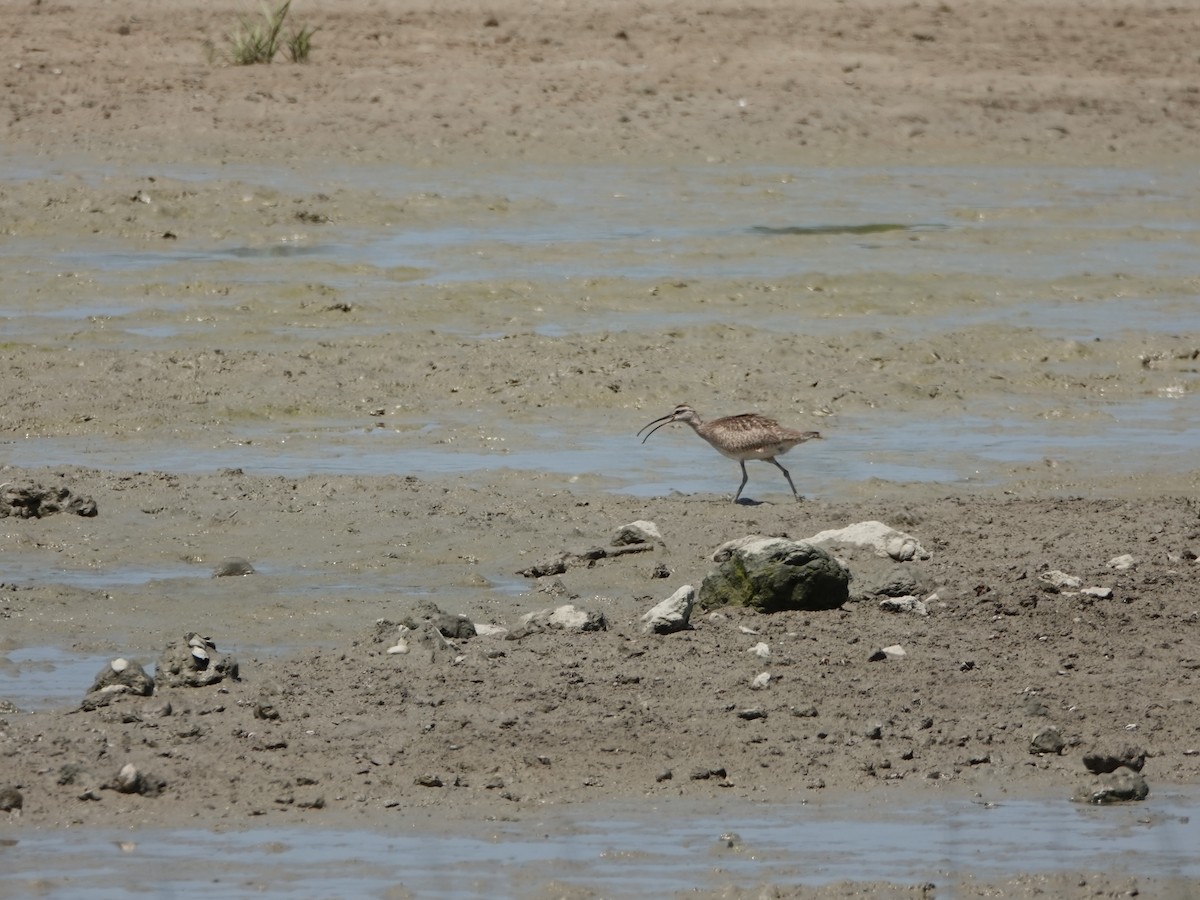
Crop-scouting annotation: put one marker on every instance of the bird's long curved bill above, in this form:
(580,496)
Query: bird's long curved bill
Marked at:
(657,423)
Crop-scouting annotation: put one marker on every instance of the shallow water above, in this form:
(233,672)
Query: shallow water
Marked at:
(700,222)
(33,678)
(649,850)
(757,222)
(1154,435)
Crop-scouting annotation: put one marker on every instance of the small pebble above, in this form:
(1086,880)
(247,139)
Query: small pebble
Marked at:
(10,799)
(234,565)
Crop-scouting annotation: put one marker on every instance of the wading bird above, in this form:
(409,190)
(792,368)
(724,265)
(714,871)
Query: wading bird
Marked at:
(748,436)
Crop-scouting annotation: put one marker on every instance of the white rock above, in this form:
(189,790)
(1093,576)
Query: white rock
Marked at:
(118,665)
(883,539)
(568,616)
(1059,579)
(129,779)
(672,614)
(901,549)
(1122,562)
(745,629)
(1101,593)
(486,629)
(894,652)
(401,646)
(908,604)
(639,532)
(761,650)
(728,548)
(761,681)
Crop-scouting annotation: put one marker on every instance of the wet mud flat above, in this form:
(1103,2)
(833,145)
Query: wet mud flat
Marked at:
(325,729)
(942,847)
(403,358)
(370,438)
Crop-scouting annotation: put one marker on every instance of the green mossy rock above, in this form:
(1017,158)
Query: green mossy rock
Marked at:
(772,574)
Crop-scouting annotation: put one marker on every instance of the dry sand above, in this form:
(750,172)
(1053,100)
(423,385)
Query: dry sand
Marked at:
(121,94)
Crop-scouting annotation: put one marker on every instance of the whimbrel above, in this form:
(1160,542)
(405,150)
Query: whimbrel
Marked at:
(743,437)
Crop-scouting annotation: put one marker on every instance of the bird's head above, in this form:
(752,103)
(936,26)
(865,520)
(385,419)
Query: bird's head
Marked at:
(681,413)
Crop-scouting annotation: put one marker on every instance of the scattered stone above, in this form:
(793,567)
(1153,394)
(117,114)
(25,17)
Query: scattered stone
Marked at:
(1104,762)
(611,552)
(876,577)
(424,644)
(662,570)
(1118,787)
(231,566)
(121,676)
(672,614)
(705,774)
(1048,740)
(761,681)
(36,501)
(1100,593)
(805,712)
(1122,562)
(487,629)
(566,618)
(907,604)
(731,840)
(455,627)
(893,652)
(11,799)
(874,731)
(636,537)
(1060,580)
(555,566)
(194,661)
(401,646)
(882,539)
(572,618)
(639,532)
(751,714)
(555,588)
(131,780)
(775,574)
(266,711)
(128,780)
(428,781)
(762,650)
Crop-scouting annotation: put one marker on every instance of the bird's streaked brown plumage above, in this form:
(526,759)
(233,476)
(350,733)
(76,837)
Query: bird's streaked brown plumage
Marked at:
(741,437)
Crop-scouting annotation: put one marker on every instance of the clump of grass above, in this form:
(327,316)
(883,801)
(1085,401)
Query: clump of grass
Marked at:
(258,40)
(299,43)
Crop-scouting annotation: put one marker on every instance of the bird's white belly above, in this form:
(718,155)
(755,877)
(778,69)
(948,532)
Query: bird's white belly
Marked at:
(759,452)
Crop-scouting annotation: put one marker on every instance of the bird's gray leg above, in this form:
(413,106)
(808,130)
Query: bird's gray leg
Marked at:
(742,463)
(795,493)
